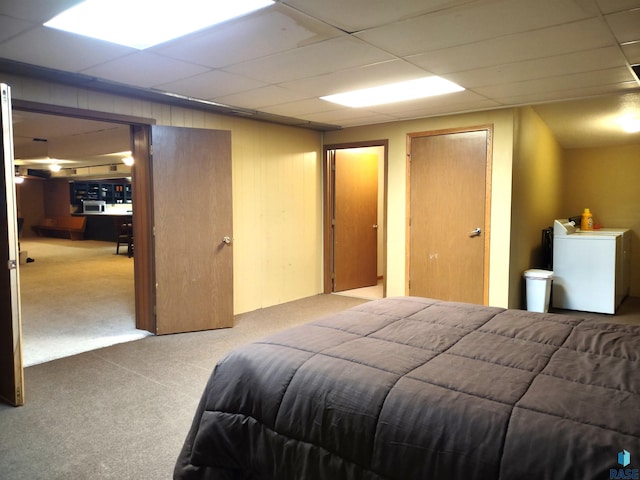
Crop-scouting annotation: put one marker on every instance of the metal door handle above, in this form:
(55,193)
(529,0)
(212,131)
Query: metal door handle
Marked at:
(226,240)
(476,232)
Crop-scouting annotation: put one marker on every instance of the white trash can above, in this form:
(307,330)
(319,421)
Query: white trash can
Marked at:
(538,289)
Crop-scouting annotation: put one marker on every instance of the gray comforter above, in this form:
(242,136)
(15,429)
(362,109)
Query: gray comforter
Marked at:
(412,388)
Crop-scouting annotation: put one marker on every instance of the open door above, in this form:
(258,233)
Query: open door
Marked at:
(192,211)
(355,219)
(11,370)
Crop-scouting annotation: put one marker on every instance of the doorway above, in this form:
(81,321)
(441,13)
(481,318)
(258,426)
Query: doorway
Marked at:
(354,206)
(449,214)
(76,295)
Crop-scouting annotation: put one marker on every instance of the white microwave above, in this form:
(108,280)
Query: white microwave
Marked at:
(94,206)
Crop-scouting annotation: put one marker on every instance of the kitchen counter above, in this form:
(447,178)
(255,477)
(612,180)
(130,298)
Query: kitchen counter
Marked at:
(102,226)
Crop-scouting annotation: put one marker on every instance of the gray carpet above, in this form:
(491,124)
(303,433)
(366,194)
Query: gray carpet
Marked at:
(122,412)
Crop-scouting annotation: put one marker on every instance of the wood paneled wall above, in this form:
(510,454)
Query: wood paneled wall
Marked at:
(277,201)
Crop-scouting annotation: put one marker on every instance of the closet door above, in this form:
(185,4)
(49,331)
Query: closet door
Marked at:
(449,215)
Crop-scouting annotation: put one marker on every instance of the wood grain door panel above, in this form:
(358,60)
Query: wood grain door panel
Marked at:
(448,192)
(355,241)
(193,214)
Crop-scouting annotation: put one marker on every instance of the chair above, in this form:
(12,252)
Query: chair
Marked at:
(124,228)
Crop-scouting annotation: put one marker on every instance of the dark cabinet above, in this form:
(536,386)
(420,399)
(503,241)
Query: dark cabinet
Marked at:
(111,192)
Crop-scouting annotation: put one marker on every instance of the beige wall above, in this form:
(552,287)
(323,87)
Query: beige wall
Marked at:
(277,184)
(606,180)
(396,133)
(277,201)
(536,200)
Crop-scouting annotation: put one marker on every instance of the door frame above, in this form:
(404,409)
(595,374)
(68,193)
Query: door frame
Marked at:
(328,201)
(142,187)
(11,363)
(488,128)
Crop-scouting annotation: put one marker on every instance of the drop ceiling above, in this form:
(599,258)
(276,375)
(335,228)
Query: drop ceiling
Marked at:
(570,59)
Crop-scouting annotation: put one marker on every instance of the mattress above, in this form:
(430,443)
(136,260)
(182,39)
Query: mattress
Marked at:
(416,388)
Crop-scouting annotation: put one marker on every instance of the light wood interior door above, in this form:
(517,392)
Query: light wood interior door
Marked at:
(448,241)
(193,229)
(11,367)
(355,234)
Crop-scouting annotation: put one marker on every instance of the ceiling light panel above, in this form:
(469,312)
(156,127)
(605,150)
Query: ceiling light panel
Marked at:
(395,92)
(143,23)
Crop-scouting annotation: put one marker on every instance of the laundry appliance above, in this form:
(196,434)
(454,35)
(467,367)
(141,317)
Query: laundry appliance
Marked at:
(591,269)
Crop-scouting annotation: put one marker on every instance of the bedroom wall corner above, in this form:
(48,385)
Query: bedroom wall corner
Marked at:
(536,198)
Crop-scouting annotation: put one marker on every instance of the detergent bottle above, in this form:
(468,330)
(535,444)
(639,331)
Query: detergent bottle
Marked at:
(587,220)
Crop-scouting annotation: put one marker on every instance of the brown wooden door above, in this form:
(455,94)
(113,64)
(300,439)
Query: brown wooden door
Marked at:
(448,203)
(11,369)
(355,235)
(193,229)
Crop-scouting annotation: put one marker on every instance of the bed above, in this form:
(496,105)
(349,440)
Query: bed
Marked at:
(415,388)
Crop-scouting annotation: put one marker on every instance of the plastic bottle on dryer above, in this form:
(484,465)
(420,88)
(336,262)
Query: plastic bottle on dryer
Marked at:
(587,220)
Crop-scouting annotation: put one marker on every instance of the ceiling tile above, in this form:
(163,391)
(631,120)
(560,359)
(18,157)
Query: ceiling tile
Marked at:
(610,6)
(329,56)
(558,40)
(577,62)
(356,15)
(542,88)
(625,25)
(11,26)
(632,52)
(210,85)
(38,11)
(357,78)
(269,31)
(300,108)
(349,117)
(144,69)
(51,48)
(480,22)
(261,97)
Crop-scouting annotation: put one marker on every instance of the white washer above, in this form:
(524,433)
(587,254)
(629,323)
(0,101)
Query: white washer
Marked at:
(591,269)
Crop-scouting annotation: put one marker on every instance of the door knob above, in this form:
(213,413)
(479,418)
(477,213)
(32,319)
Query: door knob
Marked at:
(475,232)
(226,240)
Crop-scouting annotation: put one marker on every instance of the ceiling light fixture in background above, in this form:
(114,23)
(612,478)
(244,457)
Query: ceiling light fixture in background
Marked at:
(128,161)
(143,23)
(395,92)
(55,167)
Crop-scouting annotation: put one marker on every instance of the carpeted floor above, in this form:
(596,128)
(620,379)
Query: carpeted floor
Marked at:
(122,412)
(76,296)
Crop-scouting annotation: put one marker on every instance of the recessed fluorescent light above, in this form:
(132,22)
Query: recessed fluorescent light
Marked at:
(143,23)
(395,92)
